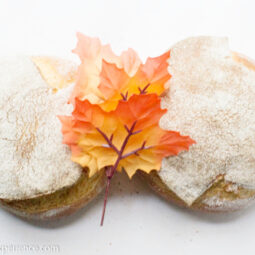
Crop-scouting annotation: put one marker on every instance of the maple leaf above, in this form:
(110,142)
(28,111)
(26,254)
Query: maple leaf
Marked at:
(115,83)
(91,53)
(129,137)
(115,122)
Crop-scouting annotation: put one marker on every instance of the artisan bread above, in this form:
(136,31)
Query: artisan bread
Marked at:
(37,177)
(211,99)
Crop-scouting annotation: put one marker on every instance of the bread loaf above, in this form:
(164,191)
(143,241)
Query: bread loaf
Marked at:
(37,177)
(211,99)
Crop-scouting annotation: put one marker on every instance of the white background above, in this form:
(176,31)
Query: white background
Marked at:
(137,221)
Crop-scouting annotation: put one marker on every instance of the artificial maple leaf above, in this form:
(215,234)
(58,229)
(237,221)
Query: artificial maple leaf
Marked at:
(91,53)
(96,137)
(128,137)
(115,122)
(151,77)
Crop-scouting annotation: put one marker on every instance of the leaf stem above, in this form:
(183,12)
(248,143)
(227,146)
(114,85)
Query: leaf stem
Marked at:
(109,141)
(135,152)
(110,170)
(105,200)
(143,91)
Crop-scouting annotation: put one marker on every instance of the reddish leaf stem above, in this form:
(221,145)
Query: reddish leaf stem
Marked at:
(105,200)
(110,170)
(143,91)
(124,97)
(109,141)
(143,147)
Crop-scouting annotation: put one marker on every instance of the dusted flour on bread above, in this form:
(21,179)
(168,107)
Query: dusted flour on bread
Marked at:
(33,160)
(211,99)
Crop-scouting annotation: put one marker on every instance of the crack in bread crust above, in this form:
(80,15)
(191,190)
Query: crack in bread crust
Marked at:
(217,198)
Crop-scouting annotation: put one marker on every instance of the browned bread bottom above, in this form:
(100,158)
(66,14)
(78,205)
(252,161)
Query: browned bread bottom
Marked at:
(227,199)
(60,203)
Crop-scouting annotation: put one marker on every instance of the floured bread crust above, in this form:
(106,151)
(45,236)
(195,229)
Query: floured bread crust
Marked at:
(211,99)
(33,160)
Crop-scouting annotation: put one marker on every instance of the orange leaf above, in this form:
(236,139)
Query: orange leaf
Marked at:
(156,69)
(113,79)
(151,77)
(92,53)
(129,135)
(143,109)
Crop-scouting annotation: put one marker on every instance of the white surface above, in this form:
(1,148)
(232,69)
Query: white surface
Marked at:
(137,221)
